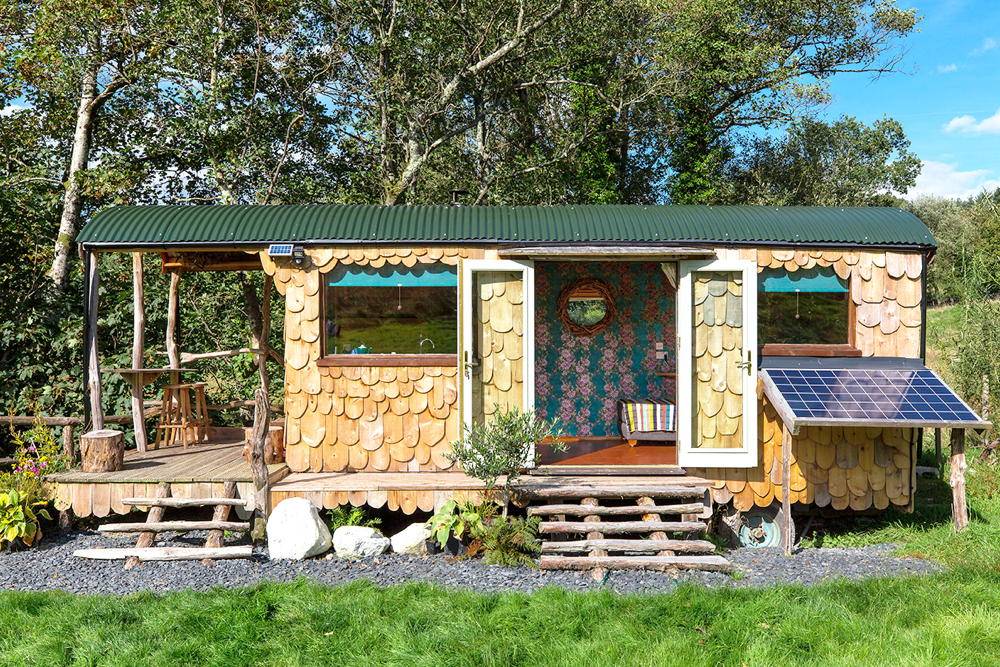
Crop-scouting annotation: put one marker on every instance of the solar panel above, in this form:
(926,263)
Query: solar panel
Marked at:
(280,250)
(869,395)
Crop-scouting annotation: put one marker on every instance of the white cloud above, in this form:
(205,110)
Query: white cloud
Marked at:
(11,109)
(947,69)
(941,179)
(988,45)
(969,125)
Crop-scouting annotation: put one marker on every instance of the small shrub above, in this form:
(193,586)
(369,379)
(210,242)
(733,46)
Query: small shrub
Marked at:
(463,521)
(351,516)
(37,452)
(19,518)
(502,447)
(512,541)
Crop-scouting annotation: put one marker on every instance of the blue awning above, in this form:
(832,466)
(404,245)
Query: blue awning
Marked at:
(435,275)
(818,280)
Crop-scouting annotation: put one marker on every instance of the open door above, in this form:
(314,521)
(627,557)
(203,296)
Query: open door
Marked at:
(716,364)
(497,338)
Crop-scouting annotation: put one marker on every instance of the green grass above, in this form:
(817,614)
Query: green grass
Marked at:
(945,619)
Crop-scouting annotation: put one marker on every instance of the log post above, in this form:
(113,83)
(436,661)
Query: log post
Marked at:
(259,314)
(258,468)
(173,297)
(220,513)
(102,451)
(90,344)
(69,450)
(786,489)
(937,450)
(959,509)
(598,573)
(138,334)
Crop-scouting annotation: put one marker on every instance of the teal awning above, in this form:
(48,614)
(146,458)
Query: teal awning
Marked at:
(393,276)
(818,280)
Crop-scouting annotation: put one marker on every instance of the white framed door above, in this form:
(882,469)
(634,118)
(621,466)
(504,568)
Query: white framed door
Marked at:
(717,364)
(497,360)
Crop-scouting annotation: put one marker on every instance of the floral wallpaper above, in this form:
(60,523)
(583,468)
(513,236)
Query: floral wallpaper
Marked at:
(579,380)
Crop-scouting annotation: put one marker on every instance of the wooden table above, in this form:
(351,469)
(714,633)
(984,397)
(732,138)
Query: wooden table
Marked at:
(137,378)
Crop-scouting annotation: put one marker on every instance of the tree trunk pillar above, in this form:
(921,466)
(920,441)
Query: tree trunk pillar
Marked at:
(959,509)
(786,490)
(90,344)
(138,335)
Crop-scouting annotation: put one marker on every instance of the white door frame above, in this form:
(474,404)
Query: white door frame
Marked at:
(687,455)
(527,270)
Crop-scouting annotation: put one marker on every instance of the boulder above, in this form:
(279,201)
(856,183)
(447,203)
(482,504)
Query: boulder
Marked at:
(359,542)
(295,531)
(411,540)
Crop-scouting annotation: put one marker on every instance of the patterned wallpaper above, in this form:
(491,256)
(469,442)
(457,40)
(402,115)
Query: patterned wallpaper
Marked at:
(579,380)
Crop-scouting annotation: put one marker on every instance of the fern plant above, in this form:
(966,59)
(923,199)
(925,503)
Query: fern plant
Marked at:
(512,541)
(351,516)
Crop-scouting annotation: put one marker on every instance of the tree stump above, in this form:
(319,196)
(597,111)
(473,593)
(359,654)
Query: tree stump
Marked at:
(102,451)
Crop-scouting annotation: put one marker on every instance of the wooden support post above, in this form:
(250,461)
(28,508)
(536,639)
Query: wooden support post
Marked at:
(646,501)
(937,450)
(173,297)
(259,314)
(138,334)
(155,515)
(258,468)
(90,345)
(598,573)
(786,490)
(69,448)
(959,510)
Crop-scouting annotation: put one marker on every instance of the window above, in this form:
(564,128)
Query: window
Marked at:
(804,307)
(391,310)
(587,307)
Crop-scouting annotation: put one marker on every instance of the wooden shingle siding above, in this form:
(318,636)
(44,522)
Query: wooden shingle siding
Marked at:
(340,418)
(500,330)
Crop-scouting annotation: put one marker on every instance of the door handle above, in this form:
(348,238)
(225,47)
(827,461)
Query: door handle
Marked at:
(748,364)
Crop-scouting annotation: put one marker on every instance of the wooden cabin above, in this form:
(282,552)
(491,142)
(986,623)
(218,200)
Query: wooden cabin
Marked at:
(671,344)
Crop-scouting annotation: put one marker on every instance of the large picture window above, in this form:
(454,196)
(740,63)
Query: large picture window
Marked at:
(391,310)
(804,307)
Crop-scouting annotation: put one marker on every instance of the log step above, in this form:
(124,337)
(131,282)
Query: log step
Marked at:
(619,527)
(179,526)
(166,553)
(624,510)
(621,492)
(183,502)
(662,563)
(628,546)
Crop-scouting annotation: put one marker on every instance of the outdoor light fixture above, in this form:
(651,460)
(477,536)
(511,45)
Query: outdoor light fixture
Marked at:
(298,256)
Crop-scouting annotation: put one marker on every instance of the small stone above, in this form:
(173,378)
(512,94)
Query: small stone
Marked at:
(412,540)
(295,531)
(359,542)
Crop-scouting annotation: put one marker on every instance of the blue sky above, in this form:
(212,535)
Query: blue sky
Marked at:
(947,96)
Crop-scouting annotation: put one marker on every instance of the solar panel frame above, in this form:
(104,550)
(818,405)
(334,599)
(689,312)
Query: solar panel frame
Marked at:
(280,249)
(867,396)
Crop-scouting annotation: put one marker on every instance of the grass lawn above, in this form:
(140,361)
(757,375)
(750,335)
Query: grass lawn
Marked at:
(945,619)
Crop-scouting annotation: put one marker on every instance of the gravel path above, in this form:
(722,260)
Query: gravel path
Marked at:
(52,566)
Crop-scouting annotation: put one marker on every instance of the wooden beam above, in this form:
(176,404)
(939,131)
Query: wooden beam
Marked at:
(164,526)
(183,502)
(90,346)
(584,253)
(173,298)
(619,527)
(165,553)
(258,467)
(959,509)
(778,401)
(623,510)
(628,546)
(138,334)
(662,563)
(786,489)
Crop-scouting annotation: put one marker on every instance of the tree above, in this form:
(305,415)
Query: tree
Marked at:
(844,163)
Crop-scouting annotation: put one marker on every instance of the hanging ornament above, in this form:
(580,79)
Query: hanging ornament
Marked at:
(796,304)
(399,297)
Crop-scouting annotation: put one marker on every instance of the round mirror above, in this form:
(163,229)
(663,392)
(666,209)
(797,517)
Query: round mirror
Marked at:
(586,307)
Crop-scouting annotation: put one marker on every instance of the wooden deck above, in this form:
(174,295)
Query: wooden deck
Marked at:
(198,471)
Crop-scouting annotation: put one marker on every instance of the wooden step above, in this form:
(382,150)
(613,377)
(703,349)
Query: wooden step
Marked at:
(183,502)
(610,490)
(179,526)
(556,469)
(628,546)
(662,563)
(619,527)
(166,553)
(623,510)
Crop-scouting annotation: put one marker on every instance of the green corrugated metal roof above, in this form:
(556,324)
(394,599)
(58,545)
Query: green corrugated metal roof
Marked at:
(164,226)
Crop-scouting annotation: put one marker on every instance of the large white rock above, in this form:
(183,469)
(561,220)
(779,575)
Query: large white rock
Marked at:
(359,542)
(411,540)
(295,531)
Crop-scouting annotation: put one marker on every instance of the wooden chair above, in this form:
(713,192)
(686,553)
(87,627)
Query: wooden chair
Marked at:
(183,415)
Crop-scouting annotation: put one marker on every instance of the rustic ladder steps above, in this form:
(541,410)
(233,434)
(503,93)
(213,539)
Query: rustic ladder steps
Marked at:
(179,526)
(183,502)
(612,491)
(154,524)
(629,546)
(663,563)
(621,510)
(620,527)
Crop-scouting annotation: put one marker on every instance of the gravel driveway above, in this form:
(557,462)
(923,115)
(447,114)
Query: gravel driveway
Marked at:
(52,566)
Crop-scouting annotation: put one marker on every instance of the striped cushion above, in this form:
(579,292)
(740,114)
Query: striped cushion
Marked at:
(647,416)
